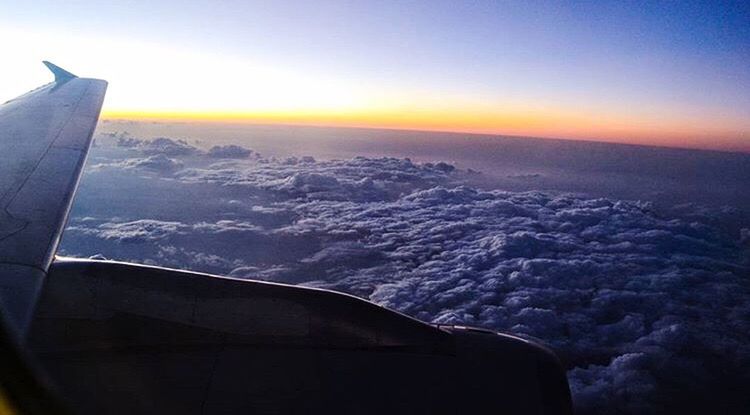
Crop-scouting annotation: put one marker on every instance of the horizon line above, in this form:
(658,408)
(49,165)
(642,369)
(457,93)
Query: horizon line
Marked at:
(111,117)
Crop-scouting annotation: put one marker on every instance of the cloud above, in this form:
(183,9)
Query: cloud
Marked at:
(144,230)
(649,309)
(176,147)
(127,141)
(616,289)
(158,163)
(360,178)
(159,145)
(524,176)
(229,152)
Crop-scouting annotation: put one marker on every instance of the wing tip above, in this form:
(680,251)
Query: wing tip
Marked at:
(61,75)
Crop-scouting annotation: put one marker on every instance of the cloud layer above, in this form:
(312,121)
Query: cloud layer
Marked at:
(649,310)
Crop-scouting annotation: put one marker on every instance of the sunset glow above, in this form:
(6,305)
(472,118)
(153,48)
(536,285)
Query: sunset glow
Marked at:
(623,78)
(598,127)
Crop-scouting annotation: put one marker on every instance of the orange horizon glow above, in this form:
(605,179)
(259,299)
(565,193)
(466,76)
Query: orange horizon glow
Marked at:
(498,71)
(677,133)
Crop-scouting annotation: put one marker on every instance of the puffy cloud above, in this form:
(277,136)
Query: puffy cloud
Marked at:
(144,230)
(619,291)
(159,163)
(649,309)
(294,160)
(159,145)
(128,142)
(176,147)
(360,178)
(229,152)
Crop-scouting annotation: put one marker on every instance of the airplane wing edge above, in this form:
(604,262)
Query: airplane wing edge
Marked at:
(45,135)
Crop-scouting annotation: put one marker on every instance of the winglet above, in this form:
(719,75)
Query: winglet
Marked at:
(61,75)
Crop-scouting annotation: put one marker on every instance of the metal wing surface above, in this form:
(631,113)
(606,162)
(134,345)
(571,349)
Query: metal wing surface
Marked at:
(45,135)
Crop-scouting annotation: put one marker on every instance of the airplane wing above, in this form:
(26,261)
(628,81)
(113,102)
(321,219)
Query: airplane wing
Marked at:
(120,338)
(44,138)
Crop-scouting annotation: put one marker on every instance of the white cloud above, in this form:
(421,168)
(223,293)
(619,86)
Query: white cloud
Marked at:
(158,163)
(229,152)
(159,145)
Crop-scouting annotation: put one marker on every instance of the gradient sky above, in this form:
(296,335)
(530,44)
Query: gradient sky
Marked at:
(664,73)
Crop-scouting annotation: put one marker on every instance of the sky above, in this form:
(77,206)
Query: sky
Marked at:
(656,73)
